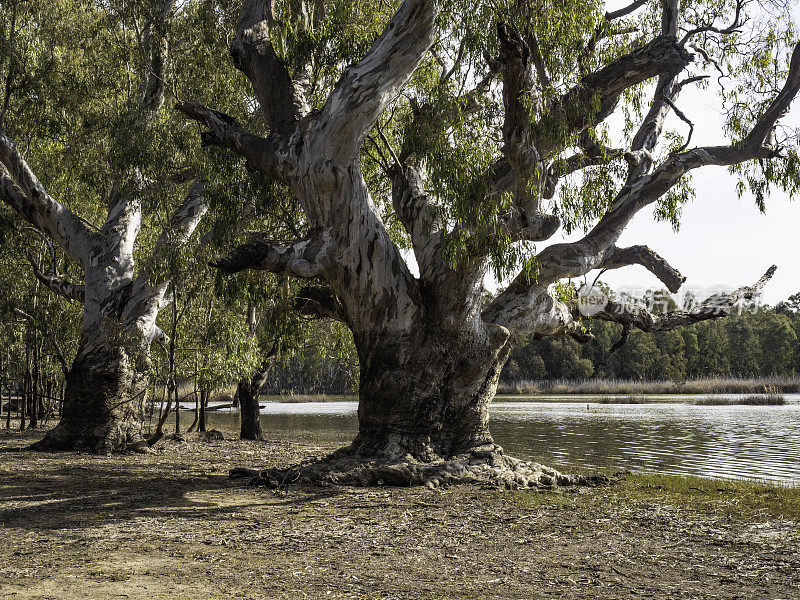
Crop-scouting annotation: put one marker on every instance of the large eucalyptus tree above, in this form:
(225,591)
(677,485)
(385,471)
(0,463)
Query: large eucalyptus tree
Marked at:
(106,383)
(482,128)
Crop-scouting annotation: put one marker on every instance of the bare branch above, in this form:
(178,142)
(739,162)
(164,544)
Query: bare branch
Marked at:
(778,107)
(578,258)
(122,227)
(53,281)
(718,305)
(732,28)
(642,255)
(679,113)
(646,138)
(268,155)
(538,60)
(625,10)
(57,285)
(148,294)
(524,221)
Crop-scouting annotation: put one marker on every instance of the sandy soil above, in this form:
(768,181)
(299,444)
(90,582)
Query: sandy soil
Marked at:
(170,525)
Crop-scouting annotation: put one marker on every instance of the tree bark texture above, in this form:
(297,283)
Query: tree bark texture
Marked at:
(249,414)
(425,391)
(103,401)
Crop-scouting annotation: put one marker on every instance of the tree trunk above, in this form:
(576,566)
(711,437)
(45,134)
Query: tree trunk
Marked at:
(197,402)
(423,416)
(204,394)
(103,409)
(36,398)
(23,400)
(426,393)
(248,391)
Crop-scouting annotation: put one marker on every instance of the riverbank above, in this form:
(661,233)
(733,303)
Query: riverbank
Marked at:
(170,525)
(709,385)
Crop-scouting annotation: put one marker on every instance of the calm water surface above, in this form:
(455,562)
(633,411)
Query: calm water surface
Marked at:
(747,442)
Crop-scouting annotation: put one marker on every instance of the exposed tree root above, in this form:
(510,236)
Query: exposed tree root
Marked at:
(485,466)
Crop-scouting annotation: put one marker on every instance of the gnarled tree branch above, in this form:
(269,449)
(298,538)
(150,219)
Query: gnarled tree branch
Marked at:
(57,284)
(719,305)
(23,191)
(574,110)
(283,103)
(269,155)
(642,255)
(419,216)
(148,294)
(156,39)
(300,259)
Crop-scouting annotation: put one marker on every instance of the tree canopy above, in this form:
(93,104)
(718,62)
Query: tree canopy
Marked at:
(384,157)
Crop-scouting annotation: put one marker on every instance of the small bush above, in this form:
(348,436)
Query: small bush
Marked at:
(624,400)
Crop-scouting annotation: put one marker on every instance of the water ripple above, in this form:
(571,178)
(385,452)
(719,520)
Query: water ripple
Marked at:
(741,442)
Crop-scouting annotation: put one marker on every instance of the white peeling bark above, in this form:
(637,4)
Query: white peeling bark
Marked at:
(107,382)
(23,192)
(367,87)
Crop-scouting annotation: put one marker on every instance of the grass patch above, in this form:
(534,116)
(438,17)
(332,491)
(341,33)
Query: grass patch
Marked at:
(739,500)
(733,497)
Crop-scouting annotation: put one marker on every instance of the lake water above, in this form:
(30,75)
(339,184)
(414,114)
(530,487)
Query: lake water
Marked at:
(668,436)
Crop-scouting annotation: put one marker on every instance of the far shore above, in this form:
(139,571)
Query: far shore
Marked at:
(606,390)
(706,385)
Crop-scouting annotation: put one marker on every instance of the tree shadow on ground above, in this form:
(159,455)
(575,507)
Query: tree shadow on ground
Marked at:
(57,491)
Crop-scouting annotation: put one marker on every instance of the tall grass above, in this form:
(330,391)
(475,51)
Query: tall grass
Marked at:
(708,385)
(752,400)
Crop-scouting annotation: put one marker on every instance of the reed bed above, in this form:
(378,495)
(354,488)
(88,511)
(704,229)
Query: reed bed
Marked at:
(751,400)
(708,385)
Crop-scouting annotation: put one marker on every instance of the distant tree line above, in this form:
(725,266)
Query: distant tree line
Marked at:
(760,342)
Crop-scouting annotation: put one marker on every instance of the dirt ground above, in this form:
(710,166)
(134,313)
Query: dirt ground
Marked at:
(170,525)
